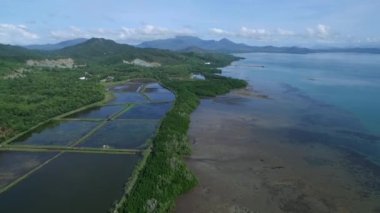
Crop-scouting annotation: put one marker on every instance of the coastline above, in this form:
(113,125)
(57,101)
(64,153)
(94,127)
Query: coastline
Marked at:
(256,154)
(243,169)
(165,176)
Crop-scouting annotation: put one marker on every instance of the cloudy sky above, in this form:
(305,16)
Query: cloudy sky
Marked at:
(256,22)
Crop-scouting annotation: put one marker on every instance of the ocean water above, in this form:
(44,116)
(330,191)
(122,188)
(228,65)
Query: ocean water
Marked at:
(336,94)
(303,137)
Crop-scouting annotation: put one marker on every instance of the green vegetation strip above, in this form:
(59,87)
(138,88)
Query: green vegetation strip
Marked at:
(132,180)
(165,175)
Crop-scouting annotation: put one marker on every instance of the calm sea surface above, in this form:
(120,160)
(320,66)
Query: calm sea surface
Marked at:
(336,94)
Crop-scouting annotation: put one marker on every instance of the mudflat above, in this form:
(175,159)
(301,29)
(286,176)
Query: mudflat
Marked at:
(247,161)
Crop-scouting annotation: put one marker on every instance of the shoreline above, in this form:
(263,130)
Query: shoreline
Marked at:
(249,157)
(240,170)
(170,145)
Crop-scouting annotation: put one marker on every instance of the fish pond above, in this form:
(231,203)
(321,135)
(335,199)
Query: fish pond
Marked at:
(82,162)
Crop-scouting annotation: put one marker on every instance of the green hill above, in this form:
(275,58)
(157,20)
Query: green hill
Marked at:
(99,50)
(57,46)
(16,53)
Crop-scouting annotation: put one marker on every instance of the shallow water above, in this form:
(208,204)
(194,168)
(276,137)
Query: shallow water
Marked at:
(349,82)
(334,93)
(301,138)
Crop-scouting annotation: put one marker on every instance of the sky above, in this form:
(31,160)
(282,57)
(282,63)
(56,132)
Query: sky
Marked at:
(309,23)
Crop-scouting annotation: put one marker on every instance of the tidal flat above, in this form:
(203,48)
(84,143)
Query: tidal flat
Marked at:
(248,163)
(286,144)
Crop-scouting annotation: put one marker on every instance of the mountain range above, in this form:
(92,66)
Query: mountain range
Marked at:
(181,43)
(190,43)
(96,52)
(104,49)
(56,46)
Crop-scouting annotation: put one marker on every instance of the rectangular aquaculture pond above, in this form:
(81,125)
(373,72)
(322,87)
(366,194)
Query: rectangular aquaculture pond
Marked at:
(127,134)
(14,165)
(160,96)
(100,112)
(154,87)
(74,183)
(156,93)
(128,97)
(147,111)
(57,133)
(128,87)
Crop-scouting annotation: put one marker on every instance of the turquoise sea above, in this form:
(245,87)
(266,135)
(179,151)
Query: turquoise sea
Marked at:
(334,94)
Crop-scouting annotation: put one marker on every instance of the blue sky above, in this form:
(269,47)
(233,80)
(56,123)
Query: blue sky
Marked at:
(256,22)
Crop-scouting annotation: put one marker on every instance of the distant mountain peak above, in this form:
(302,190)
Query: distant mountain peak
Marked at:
(99,40)
(186,37)
(224,45)
(186,43)
(57,46)
(224,40)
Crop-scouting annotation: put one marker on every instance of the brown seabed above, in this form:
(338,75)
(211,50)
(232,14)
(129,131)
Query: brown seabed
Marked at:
(242,167)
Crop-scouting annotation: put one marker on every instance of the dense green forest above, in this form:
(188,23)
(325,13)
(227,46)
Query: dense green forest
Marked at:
(31,95)
(40,95)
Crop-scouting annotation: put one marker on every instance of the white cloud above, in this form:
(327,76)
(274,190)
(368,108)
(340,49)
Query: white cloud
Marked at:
(320,32)
(16,34)
(219,32)
(145,31)
(127,34)
(254,33)
(259,34)
(71,33)
(283,32)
